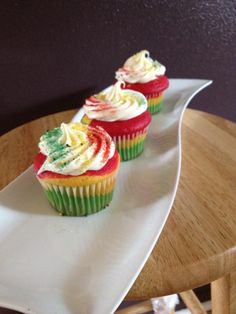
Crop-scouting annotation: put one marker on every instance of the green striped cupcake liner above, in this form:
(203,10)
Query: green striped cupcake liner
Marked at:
(127,151)
(80,201)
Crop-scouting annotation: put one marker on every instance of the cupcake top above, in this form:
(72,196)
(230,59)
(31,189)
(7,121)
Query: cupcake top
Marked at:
(140,68)
(115,103)
(74,148)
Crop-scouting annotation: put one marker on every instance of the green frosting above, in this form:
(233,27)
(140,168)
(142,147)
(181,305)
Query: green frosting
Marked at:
(55,150)
(51,139)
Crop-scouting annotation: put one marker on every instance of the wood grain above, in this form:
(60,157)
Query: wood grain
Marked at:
(198,243)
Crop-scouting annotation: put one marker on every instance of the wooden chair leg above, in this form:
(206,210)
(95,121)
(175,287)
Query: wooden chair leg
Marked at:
(191,301)
(223,294)
(220,295)
(232,287)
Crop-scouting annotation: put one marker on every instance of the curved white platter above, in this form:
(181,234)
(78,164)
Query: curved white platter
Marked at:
(52,264)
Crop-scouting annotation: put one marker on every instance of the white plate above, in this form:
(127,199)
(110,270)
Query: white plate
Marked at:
(52,264)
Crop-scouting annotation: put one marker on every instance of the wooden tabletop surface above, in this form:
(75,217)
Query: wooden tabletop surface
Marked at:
(198,243)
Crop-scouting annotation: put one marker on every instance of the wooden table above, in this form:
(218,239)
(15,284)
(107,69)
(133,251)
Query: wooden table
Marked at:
(198,243)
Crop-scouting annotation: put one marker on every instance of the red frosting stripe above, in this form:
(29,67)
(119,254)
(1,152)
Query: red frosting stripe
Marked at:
(123,127)
(110,166)
(155,86)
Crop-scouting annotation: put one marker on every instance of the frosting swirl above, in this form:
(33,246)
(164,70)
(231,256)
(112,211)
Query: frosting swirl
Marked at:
(140,68)
(74,148)
(115,103)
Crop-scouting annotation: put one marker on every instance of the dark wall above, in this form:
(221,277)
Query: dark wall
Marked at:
(55,53)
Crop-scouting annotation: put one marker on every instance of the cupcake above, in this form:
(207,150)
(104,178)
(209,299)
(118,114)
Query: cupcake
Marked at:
(77,166)
(142,74)
(123,114)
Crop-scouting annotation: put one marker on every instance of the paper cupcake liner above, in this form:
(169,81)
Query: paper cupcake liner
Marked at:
(131,145)
(155,102)
(80,200)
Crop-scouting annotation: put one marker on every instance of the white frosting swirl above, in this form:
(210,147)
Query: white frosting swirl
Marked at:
(115,103)
(75,148)
(140,68)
